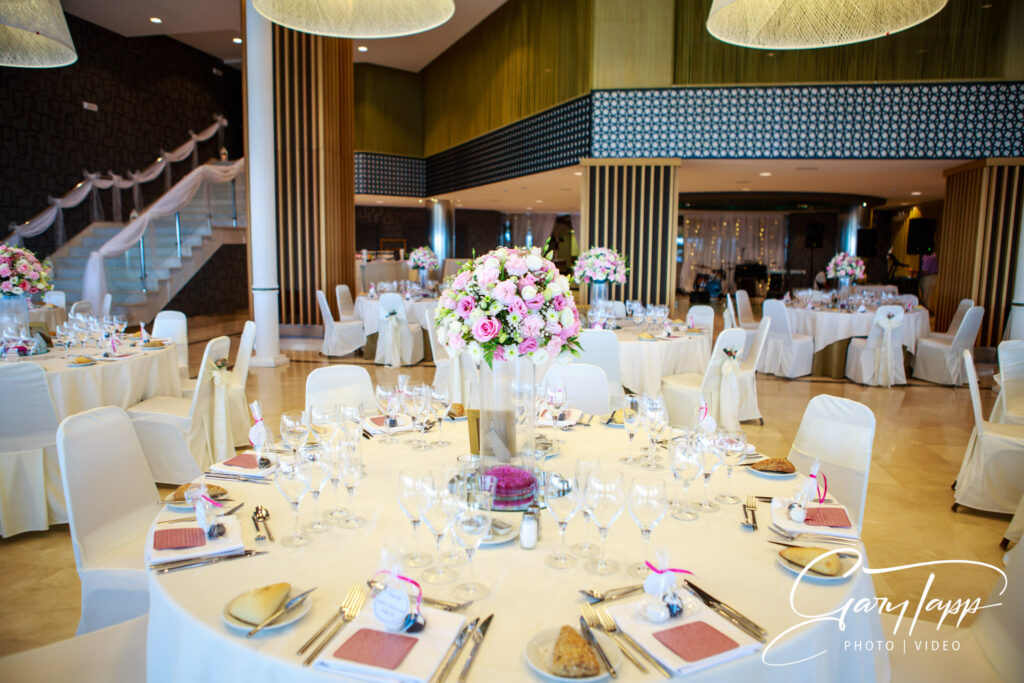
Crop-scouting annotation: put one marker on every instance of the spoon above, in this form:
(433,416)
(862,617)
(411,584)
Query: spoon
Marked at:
(259,531)
(263,515)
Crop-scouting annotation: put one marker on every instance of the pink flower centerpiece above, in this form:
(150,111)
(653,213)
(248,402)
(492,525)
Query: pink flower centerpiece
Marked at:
(423,258)
(21,272)
(844,265)
(600,264)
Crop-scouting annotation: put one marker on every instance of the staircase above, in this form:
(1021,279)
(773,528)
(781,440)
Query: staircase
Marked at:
(142,286)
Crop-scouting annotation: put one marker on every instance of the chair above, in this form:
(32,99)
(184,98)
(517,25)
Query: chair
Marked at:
(730,313)
(108,299)
(938,360)
(878,359)
(1009,405)
(31,495)
(442,361)
(601,348)
(175,432)
(909,300)
(958,318)
(586,387)
(749,410)
(238,405)
(81,308)
(346,306)
(1016,528)
(399,342)
(110,494)
(785,354)
(340,385)
(340,338)
(703,317)
(838,432)
(116,654)
(683,392)
(991,477)
(745,317)
(173,325)
(55,297)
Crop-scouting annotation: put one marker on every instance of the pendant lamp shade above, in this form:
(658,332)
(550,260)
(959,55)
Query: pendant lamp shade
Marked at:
(805,24)
(34,33)
(357,18)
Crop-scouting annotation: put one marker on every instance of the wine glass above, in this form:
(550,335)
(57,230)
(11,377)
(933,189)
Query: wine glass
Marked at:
(631,420)
(403,384)
(420,407)
(556,402)
(292,479)
(654,418)
(442,404)
(294,428)
(581,476)
(734,448)
(710,453)
(440,514)
(319,472)
(389,404)
(351,474)
(413,497)
(562,505)
(471,525)
(686,464)
(648,502)
(324,424)
(604,497)
(336,453)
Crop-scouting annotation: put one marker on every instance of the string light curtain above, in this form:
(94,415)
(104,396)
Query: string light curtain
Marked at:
(805,24)
(357,18)
(716,240)
(34,33)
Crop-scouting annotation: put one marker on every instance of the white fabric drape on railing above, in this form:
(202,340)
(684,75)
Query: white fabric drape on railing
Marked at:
(721,239)
(94,282)
(53,214)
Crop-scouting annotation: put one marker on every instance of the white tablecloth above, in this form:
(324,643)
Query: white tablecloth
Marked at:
(368,310)
(109,383)
(828,327)
(381,271)
(644,363)
(51,315)
(188,640)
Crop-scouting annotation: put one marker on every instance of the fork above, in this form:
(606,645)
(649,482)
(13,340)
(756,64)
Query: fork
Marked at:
(820,538)
(611,593)
(752,507)
(348,611)
(589,615)
(609,626)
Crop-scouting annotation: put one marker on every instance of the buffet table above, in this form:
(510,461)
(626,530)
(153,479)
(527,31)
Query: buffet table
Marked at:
(188,639)
(644,362)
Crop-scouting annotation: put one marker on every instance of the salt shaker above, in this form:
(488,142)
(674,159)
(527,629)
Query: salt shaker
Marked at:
(529,530)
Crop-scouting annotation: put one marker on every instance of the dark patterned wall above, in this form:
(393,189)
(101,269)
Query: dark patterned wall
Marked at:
(476,230)
(220,286)
(150,92)
(374,223)
(390,174)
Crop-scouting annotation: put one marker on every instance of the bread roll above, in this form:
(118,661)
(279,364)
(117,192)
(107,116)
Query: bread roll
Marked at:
(573,656)
(212,490)
(782,465)
(256,605)
(805,557)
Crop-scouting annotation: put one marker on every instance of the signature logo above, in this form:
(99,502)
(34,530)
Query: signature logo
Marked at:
(958,608)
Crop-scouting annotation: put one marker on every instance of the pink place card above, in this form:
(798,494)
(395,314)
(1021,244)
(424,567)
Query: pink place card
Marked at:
(379,420)
(177,539)
(246,460)
(833,517)
(376,648)
(695,641)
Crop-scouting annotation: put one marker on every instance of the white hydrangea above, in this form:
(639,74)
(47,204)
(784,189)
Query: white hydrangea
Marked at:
(534,261)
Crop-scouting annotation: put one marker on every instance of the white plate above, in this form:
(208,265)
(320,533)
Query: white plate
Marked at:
(844,563)
(509,535)
(539,648)
(403,421)
(285,620)
(82,365)
(771,475)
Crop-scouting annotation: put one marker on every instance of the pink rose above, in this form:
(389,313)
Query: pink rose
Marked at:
(535,303)
(486,276)
(23,267)
(527,280)
(5,270)
(25,285)
(447,301)
(33,290)
(455,341)
(486,329)
(499,353)
(461,280)
(532,325)
(465,306)
(504,291)
(555,346)
(553,327)
(516,265)
(559,302)
(6,286)
(570,331)
(517,306)
(528,345)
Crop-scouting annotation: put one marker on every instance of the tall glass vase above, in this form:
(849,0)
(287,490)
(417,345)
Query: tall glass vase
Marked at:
(598,292)
(844,286)
(507,413)
(14,313)
(424,278)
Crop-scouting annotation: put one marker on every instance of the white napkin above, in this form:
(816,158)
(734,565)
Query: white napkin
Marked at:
(374,430)
(572,416)
(253,473)
(231,542)
(780,517)
(417,667)
(626,616)
(119,356)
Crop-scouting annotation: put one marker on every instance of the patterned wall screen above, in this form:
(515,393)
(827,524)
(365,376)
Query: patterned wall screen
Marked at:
(390,174)
(632,208)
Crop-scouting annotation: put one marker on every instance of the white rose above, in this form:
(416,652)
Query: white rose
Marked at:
(566,317)
(534,261)
(442,335)
(534,251)
(492,263)
(529,291)
(561,283)
(475,315)
(540,356)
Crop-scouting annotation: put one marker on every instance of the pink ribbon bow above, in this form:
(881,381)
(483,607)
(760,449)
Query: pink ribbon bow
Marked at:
(817,486)
(419,589)
(211,501)
(670,569)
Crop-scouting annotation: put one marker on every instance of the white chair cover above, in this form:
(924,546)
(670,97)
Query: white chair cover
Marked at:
(340,385)
(108,299)
(346,306)
(991,476)
(744,312)
(958,317)
(1016,528)
(718,386)
(999,629)
(452,265)
(601,348)
(938,360)
(840,433)
(909,300)
(442,361)
(878,360)
(702,316)
(749,410)
(619,309)
(55,297)
(1009,405)
(399,342)
(785,354)
(110,495)
(586,387)
(1014,325)
(238,405)
(31,494)
(173,325)
(82,307)
(731,320)
(177,433)
(340,338)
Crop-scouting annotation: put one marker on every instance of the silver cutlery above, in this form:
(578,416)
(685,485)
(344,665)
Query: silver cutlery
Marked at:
(454,650)
(478,639)
(349,597)
(189,564)
(817,538)
(589,615)
(259,532)
(731,614)
(236,477)
(751,506)
(611,593)
(795,545)
(610,627)
(192,518)
(262,514)
(349,610)
(446,605)
(278,612)
(589,637)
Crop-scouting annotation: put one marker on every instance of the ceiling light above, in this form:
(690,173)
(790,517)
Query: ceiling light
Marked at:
(915,193)
(156,20)
(804,24)
(380,201)
(765,174)
(539,201)
(363,48)
(35,34)
(357,18)
(236,41)
(577,172)
(744,189)
(863,203)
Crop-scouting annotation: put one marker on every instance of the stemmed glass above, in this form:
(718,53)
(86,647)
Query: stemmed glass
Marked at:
(294,428)
(389,403)
(631,420)
(734,447)
(442,403)
(292,481)
(648,502)
(472,524)
(319,472)
(562,505)
(604,497)
(442,510)
(420,407)
(654,418)
(686,464)
(351,474)
(413,497)
(584,469)
(710,453)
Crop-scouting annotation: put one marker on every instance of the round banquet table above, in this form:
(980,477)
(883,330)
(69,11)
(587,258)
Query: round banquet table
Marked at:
(51,315)
(368,310)
(188,640)
(644,363)
(152,372)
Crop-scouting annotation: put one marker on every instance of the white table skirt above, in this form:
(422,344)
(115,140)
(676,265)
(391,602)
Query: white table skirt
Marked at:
(188,640)
(109,383)
(828,327)
(51,315)
(644,363)
(368,310)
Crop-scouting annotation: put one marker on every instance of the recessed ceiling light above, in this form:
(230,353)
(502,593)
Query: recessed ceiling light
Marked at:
(236,41)
(577,172)
(362,48)
(915,193)
(380,201)
(904,203)
(156,20)
(744,189)
(539,201)
(765,174)
(863,203)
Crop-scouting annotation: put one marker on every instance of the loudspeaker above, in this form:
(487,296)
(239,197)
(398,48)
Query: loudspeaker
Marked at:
(921,236)
(866,243)
(814,235)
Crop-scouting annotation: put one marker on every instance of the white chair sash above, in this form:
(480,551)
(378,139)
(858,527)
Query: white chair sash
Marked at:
(223,439)
(885,371)
(729,394)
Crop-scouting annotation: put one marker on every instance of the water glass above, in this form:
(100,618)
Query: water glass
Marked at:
(604,497)
(562,505)
(710,453)
(686,465)
(440,515)
(648,502)
(351,474)
(631,421)
(292,480)
(319,463)
(734,448)
(413,497)
(654,418)
(471,526)
(581,476)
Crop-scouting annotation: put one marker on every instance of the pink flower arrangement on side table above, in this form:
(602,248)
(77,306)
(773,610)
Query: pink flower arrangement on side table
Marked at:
(599,264)
(21,272)
(424,258)
(845,265)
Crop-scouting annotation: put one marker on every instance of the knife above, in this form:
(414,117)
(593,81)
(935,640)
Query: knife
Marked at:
(279,611)
(794,545)
(188,564)
(478,639)
(589,637)
(730,614)
(236,477)
(454,650)
(192,518)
